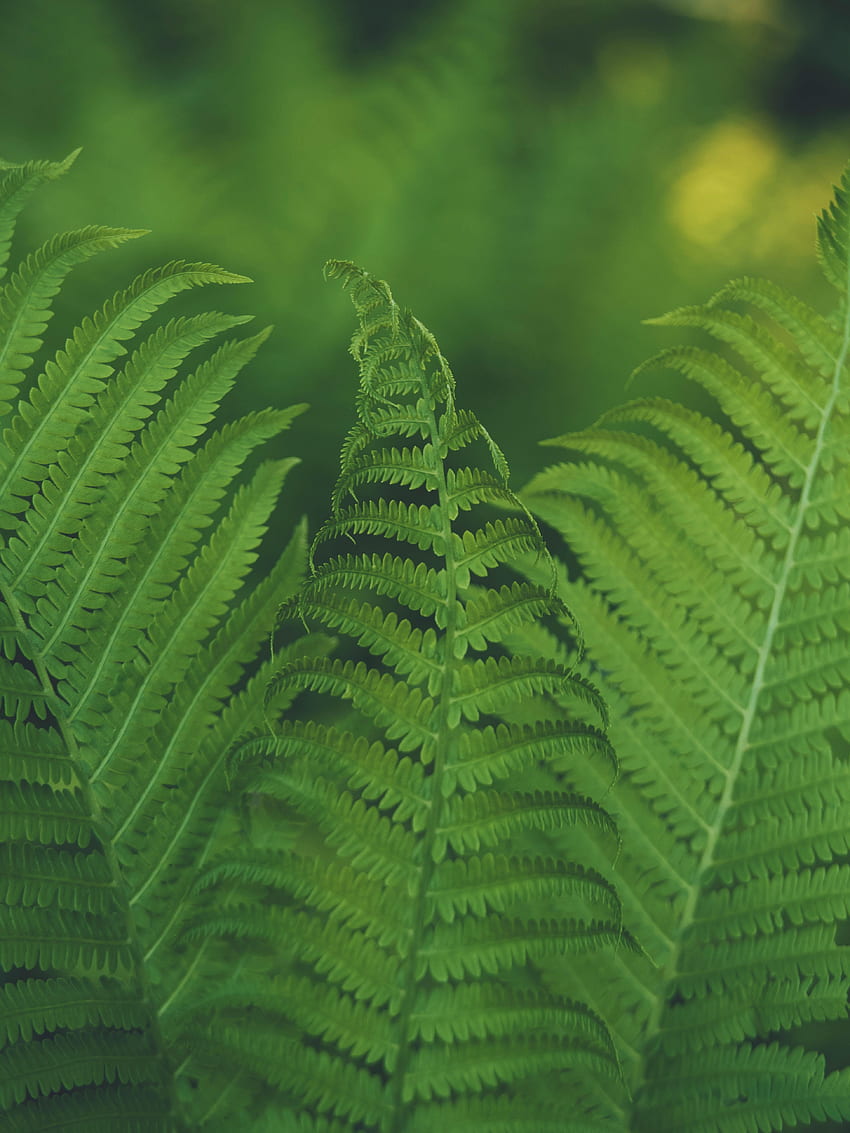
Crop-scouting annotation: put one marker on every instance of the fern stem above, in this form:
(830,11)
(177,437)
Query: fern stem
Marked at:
(184,979)
(222,1097)
(397,1109)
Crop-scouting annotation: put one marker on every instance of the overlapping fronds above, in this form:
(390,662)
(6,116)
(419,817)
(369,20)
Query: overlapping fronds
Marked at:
(713,591)
(417,895)
(125,658)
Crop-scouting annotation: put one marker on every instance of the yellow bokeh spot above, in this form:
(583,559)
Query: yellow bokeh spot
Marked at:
(722,181)
(786,226)
(741,195)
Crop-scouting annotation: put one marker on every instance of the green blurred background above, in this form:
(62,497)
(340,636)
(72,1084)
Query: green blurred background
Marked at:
(533,177)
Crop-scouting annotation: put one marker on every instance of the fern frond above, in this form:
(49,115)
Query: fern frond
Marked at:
(125,677)
(411,947)
(76,480)
(57,405)
(17,184)
(65,928)
(25,299)
(713,594)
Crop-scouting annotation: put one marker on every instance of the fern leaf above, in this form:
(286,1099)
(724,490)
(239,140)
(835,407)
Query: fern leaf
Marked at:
(713,595)
(17,184)
(25,299)
(174,534)
(74,483)
(409,947)
(65,929)
(127,669)
(70,383)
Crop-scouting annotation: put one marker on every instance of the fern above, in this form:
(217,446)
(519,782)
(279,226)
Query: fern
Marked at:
(713,593)
(412,920)
(123,680)
(417,893)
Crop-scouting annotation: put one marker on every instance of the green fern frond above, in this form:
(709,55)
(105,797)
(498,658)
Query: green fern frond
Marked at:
(71,971)
(415,894)
(713,592)
(17,184)
(25,303)
(129,667)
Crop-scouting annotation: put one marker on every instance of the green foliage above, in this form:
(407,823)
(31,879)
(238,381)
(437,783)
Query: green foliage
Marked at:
(417,890)
(160,969)
(713,592)
(125,653)
(396,910)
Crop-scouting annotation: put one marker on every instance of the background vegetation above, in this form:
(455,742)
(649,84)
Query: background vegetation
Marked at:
(534,176)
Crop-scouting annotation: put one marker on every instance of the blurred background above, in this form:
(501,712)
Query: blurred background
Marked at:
(533,177)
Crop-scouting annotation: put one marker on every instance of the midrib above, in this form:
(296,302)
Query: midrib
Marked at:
(150,469)
(78,372)
(398,1108)
(163,548)
(222,568)
(97,447)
